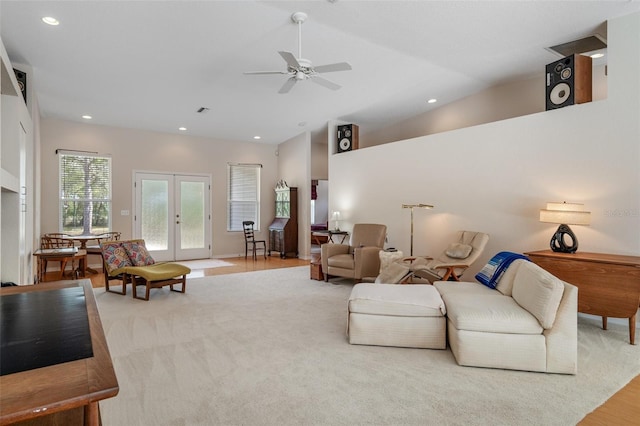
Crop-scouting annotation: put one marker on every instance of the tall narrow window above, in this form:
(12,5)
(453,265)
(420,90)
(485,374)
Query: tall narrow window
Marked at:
(85,194)
(243,195)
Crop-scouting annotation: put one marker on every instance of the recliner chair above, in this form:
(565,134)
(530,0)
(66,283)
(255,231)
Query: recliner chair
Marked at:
(463,251)
(360,258)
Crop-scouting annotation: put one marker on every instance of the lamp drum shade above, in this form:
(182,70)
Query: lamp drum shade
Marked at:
(565,213)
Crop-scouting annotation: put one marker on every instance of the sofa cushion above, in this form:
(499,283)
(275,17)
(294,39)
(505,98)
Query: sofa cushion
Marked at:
(417,300)
(538,292)
(158,271)
(489,313)
(448,287)
(344,261)
(505,283)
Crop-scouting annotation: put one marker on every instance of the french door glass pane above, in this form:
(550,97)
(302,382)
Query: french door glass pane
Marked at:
(155,214)
(192,223)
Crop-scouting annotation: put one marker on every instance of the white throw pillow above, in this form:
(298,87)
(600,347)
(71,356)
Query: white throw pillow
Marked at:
(537,291)
(458,250)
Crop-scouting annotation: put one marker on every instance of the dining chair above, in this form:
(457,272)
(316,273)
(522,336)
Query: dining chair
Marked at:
(105,236)
(250,240)
(54,242)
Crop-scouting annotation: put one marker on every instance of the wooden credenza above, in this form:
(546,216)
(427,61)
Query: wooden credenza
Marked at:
(283,231)
(608,284)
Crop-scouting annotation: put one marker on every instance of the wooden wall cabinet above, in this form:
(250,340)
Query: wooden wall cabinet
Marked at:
(283,231)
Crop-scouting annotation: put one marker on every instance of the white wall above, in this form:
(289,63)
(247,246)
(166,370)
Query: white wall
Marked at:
(495,177)
(151,151)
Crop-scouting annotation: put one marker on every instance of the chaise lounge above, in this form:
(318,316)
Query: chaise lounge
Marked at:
(130,262)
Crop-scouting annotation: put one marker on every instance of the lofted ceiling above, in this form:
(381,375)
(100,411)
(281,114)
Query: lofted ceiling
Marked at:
(152,64)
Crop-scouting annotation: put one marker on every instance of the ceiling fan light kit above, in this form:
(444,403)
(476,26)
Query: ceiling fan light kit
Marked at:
(299,68)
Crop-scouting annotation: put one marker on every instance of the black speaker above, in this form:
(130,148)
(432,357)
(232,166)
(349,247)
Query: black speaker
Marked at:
(347,137)
(21,76)
(568,81)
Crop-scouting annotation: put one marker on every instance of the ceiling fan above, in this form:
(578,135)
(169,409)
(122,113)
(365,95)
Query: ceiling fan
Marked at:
(301,69)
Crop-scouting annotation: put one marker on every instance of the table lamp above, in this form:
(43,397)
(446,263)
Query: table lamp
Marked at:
(565,214)
(411,207)
(335,216)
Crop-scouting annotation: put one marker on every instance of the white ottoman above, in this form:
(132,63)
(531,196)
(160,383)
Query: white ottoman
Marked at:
(410,316)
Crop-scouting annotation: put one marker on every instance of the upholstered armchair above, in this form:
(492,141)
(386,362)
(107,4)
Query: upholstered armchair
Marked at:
(360,257)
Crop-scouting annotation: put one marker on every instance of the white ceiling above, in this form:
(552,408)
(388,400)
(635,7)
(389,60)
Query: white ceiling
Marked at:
(152,64)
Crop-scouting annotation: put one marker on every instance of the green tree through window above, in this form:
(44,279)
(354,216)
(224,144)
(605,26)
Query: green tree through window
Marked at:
(85,194)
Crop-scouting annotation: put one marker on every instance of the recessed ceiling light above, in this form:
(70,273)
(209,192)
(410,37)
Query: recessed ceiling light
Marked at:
(182,129)
(432,101)
(257,137)
(50,20)
(597,55)
(87,117)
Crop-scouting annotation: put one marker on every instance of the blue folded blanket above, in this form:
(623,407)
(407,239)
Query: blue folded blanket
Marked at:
(492,271)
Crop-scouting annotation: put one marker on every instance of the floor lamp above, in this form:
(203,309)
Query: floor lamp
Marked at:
(411,207)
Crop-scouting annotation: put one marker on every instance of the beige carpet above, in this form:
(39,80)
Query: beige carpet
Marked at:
(269,348)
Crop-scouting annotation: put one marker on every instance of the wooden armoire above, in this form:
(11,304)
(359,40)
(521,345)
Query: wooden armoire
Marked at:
(283,231)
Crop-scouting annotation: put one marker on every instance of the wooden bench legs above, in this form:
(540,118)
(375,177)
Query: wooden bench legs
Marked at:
(136,281)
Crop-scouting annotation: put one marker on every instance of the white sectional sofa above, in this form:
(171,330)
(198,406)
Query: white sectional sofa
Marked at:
(529,322)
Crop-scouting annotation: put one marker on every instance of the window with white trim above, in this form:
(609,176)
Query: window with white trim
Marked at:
(85,194)
(243,195)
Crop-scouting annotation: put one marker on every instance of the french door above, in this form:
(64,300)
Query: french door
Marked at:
(173,215)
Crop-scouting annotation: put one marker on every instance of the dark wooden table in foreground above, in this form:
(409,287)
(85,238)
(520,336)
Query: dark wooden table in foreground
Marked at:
(608,284)
(54,390)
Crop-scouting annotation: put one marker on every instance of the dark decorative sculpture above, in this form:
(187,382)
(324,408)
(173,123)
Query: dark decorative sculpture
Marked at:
(558,242)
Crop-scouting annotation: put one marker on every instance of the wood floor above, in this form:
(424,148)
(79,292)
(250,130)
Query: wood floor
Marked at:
(621,409)
(239,265)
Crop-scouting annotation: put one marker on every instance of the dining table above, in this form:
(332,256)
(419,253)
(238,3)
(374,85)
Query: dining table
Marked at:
(82,241)
(55,254)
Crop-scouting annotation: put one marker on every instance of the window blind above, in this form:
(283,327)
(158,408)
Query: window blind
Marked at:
(243,192)
(85,194)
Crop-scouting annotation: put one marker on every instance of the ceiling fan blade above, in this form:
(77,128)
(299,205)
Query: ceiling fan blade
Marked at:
(326,83)
(264,72)
(340,66)
(291,60)
(288,85)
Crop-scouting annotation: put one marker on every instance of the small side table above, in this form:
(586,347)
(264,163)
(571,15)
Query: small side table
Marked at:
(316,268)
(330,233)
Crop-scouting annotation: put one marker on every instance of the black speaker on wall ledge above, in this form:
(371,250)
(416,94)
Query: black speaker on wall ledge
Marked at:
(21,76)
(569,81)
(347,137)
